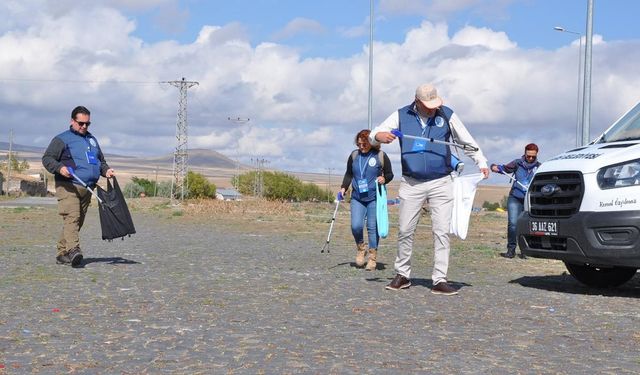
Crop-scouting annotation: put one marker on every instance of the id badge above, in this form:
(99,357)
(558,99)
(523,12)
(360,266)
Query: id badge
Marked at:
(92,158)
(419,145)
(363,185)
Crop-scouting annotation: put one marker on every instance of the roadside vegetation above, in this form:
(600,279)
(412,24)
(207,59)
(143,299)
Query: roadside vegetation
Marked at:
(12,161)
(280,186)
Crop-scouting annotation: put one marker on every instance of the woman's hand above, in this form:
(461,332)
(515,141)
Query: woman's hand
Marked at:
(381,180)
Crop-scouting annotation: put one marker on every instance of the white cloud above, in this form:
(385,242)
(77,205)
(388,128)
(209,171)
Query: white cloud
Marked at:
(473,36)
(438,10)
(299,25)
(304,111)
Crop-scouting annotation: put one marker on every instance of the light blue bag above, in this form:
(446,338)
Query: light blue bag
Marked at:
(382,215)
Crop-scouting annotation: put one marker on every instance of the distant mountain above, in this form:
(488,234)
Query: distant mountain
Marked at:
(21,148)
(202,158)
(196,158)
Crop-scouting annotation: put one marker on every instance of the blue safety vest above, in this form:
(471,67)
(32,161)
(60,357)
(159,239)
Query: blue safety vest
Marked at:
(425,160)
(75,155)
(524,175)
(365,166)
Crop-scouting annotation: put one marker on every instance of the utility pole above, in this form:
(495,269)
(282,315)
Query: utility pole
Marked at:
(236,178)
(259,180)
(180,156)
(155,185)
(9,161)
(329,189)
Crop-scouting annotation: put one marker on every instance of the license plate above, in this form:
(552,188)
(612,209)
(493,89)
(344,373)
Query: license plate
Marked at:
(543,227)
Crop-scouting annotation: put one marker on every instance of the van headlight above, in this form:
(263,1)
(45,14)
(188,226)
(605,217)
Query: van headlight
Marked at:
(619,175)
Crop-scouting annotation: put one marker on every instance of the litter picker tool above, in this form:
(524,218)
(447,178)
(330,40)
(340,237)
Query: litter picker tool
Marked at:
(339,198)
(465,147)
(70,169)
(501,170)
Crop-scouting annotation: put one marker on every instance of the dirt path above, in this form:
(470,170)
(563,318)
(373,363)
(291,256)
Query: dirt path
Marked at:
(242,290)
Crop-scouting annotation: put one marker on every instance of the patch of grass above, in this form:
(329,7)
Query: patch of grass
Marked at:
(479,249)
(177,213)
(162,206)
(38,274)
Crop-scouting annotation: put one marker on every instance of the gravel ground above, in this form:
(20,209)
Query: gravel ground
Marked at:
(206,294)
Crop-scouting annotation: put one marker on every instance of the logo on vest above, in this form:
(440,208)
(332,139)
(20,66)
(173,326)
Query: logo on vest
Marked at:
(439,121)
(372,162)
(92,142)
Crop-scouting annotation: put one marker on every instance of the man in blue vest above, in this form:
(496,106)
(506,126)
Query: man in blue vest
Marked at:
(426,177)
(75,148)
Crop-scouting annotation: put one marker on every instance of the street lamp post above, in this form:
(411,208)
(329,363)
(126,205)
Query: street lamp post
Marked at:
(579,122)
(586,91)
(370,104)
(236,177)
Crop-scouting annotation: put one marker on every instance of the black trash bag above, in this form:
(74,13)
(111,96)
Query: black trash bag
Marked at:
(115,218)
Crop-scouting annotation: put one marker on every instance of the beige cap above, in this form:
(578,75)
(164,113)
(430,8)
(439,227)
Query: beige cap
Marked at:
(428,95)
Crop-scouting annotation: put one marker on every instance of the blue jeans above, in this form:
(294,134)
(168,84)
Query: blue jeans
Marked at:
(515,206)
(359,212)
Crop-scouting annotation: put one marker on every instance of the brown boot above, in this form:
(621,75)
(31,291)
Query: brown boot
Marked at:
(373,257)
(360,254)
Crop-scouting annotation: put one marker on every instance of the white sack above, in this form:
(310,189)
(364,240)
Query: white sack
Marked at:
(464,191)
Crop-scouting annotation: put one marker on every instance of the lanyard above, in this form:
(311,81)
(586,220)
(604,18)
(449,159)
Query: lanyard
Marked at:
(366,164)
(422,124)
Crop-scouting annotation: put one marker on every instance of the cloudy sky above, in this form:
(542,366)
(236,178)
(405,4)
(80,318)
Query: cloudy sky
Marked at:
(298,70)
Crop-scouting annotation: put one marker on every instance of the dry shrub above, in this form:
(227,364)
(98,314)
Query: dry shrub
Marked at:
(243,208)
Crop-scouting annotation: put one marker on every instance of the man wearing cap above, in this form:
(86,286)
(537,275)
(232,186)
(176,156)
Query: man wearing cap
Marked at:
(75,148)
(426,177)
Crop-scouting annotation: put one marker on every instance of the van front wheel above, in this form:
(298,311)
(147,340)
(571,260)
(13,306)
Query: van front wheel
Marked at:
(600,277)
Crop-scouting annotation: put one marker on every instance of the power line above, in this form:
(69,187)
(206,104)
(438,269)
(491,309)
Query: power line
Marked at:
(74,81)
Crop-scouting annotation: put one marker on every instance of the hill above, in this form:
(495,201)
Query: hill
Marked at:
(218,168)
(197,158)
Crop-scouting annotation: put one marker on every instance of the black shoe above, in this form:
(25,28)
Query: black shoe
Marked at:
(75,257)
(399,282)
(63,259)
(509,254)
(522,256)
(444,289)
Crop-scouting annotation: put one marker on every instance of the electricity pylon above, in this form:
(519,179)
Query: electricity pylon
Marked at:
(180,156)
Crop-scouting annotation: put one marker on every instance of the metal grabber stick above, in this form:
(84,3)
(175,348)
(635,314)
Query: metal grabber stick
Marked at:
(71,171)
(526,188)
(339,198)
(465,147)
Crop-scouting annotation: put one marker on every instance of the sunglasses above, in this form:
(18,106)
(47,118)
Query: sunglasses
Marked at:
(81,123)
(530,157)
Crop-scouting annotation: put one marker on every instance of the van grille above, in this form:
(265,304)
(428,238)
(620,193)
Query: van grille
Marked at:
(556,194)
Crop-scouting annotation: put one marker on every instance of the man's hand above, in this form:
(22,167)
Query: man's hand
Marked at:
(385,137)
(65,172)
(485,172)
(110,173)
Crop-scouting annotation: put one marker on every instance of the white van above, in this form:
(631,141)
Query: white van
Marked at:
(583,207)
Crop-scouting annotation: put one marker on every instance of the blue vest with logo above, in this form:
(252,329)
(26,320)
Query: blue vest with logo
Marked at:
(523,174)
(365,166)
(75,156)
(431,160)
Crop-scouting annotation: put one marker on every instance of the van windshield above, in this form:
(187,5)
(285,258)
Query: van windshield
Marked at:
(625,129)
